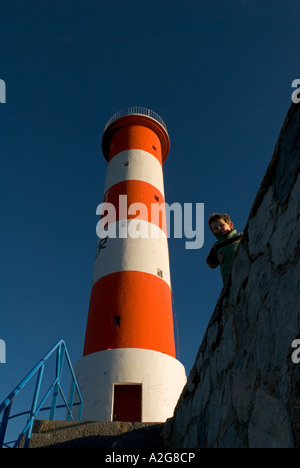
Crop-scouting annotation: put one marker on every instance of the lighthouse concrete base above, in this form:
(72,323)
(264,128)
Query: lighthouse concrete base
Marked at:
(151,383)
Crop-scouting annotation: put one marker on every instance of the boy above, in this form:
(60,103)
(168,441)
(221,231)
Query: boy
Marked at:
(228,240)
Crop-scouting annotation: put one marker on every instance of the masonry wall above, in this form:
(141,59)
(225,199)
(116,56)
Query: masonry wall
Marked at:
(244,389)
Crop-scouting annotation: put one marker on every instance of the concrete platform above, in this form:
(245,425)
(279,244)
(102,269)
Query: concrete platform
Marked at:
(99,434)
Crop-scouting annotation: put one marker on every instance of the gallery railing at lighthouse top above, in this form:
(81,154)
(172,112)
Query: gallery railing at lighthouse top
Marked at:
(136,111)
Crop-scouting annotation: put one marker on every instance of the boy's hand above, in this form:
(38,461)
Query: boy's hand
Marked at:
(220,257)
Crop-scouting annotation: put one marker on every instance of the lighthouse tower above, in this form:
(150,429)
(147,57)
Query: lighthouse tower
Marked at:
(129,370)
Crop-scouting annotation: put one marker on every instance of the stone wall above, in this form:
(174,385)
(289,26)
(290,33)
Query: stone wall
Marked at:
(244,389)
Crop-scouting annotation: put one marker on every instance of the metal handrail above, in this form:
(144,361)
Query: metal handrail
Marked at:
(136,111)
(55,387)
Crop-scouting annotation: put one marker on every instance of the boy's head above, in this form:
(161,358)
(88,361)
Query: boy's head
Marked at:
(220,223)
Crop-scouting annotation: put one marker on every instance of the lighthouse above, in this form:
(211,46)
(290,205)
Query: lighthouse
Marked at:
(129,370)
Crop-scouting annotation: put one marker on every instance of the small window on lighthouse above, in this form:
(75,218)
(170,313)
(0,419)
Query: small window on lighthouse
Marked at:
(125,163)
(159,273)
(117,320)
(156,197)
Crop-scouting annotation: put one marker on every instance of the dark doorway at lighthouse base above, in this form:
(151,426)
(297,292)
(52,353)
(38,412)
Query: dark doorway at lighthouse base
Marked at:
(127,403)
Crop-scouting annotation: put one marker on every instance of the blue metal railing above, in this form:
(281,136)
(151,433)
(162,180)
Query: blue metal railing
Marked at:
(36,406)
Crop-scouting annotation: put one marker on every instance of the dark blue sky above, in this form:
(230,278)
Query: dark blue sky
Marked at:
(218,72)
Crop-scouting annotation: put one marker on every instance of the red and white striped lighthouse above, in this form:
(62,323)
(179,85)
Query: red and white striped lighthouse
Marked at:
(129,371)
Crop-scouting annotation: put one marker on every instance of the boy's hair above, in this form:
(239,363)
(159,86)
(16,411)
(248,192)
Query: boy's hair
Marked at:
(215,216)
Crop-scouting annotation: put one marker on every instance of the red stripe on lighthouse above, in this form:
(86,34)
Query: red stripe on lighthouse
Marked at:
(138,192)
(130,309)
(136,132)
(135,137)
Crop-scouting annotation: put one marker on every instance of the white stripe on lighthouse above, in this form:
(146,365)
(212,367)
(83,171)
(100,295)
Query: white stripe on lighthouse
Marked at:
(149,255)
(135,164)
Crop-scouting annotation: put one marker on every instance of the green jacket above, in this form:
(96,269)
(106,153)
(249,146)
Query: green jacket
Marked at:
(228,245)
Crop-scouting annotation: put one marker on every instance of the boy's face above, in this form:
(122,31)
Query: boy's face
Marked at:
(219,226)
